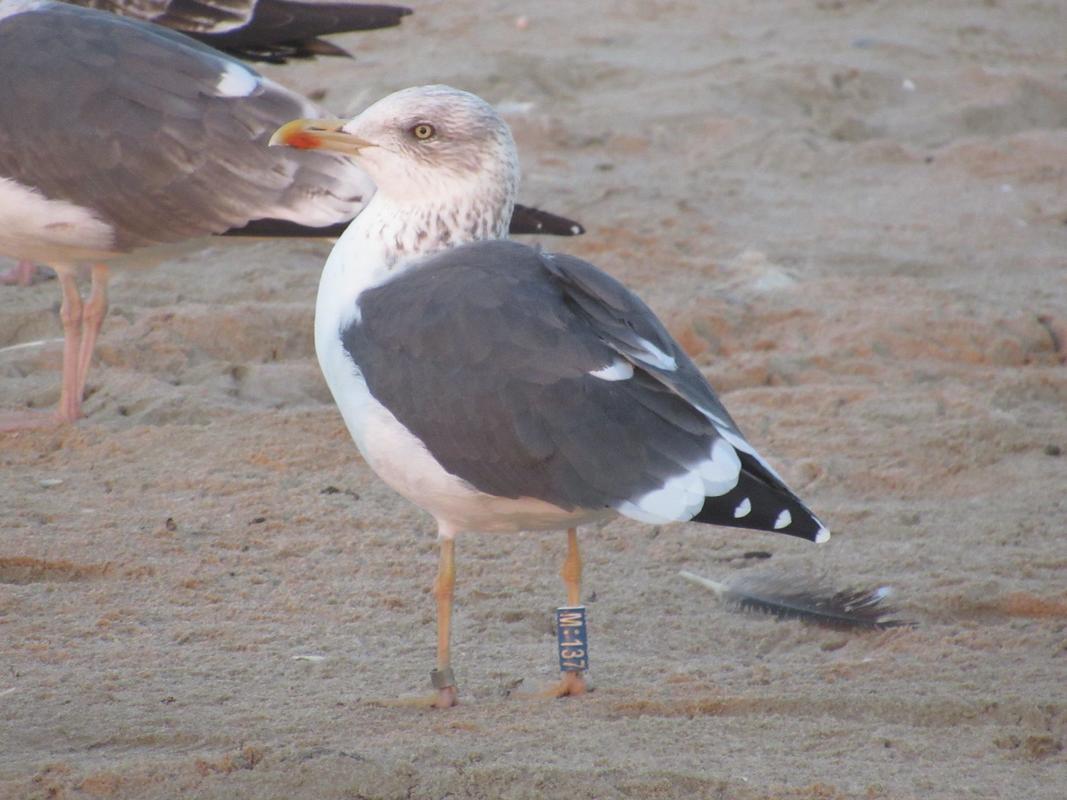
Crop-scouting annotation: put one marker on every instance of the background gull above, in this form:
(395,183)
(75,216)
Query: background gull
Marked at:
(258,30)
(499,387)
(117,135)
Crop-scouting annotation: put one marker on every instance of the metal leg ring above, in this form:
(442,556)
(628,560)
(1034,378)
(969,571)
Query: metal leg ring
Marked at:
(442,678)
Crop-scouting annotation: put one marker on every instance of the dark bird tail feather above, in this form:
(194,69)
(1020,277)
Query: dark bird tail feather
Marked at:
(807,598)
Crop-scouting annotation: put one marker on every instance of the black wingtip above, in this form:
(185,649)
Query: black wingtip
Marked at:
(365,17)
(284,229)
(525,220)
(757,505)
(283,30)
(321,47)
(529,220)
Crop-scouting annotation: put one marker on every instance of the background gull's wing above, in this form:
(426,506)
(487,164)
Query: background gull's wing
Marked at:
(161,137)
(260,30)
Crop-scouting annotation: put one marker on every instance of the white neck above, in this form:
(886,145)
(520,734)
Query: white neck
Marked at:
(388,236)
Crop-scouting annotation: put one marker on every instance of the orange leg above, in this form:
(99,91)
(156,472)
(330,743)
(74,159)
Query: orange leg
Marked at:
(443,591)
(92,318)
(70,313)
(571,571)
(445,693)
(571,684)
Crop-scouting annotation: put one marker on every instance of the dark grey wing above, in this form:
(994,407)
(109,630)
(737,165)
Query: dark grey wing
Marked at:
(259,30)
(629,326)
(485,355)
(158,135)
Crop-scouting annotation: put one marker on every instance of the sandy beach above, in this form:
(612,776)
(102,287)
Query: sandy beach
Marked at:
(852,214)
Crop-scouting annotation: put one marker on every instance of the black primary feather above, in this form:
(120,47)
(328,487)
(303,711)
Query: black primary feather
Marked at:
(808,599)
(526,219)
(273,31)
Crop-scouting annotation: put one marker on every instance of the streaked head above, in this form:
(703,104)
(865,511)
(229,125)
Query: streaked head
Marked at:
(426,139)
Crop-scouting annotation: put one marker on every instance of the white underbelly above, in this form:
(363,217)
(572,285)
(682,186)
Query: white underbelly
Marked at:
(54,232)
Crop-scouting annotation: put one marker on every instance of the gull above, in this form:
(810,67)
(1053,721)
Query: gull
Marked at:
(499,387)
(258,30)
(117,135)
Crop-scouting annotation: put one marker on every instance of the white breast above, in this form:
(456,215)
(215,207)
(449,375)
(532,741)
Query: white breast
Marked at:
(392,451)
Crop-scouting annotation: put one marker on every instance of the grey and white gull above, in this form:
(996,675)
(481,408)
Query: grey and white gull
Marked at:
(499,387)
(117,134)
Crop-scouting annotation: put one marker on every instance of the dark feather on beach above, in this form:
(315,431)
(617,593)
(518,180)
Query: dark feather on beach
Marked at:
(809,599)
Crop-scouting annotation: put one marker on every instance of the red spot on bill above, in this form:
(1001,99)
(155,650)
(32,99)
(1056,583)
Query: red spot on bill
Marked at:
(302,140)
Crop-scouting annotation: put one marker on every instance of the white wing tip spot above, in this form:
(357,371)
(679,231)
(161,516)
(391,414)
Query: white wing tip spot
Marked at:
(783,519)
(743,508)
(822,536)
(617,370)
(236,81)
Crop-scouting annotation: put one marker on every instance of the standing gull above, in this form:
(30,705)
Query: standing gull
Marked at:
(499,387)
(259,30)
(117,134)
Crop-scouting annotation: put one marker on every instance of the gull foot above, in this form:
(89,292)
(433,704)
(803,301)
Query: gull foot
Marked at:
(571,684)
(441,698)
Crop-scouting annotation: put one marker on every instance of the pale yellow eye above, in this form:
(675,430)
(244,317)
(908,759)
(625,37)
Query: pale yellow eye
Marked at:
(422,131)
